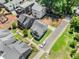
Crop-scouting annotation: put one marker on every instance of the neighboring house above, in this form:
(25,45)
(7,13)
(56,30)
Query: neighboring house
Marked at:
(6,36)
(25,21)
(4,33)
(19,10)
(12,49)
(12,5)
(9,6)
(17,50)
(38,11)
(38,29)
(27,6)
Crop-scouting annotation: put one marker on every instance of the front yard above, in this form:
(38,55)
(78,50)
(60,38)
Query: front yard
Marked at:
(60,48)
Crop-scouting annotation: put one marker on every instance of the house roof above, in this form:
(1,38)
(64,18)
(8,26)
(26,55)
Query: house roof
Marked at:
(37,7)
(9,5)
(17,1)
(20,47)
(39,27)
(25,19)
(6,36)
(4,33)
(13,50)
(22,18)
(26,4)
(12,4)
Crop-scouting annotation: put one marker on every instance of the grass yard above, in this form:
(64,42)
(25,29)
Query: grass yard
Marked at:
(62,41)
(60,55)
(59,50)
(29,35)
(19,37)
(44,37)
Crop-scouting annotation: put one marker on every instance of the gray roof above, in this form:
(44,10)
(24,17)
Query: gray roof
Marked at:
(9,5)
(39,27)
(4,33)
(11,48)
(6,36)
(20,47)
(25,19)
(18,1)
(12,4)
(14,50)
(22,18)
(26,4)
(37,7)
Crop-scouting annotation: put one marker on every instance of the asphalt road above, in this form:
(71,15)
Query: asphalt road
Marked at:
(54,35)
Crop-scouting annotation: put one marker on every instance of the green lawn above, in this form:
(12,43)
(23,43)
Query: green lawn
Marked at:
(29,35)
(44,37)
(59,50)
(18,36)
(62,41)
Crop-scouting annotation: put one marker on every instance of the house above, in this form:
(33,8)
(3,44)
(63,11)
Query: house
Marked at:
(6,36)
(25,21)
(27,6)
(19,10)
(12,5)
(12,49)
(4,33)
(38,11)
(38,29)
(17,50)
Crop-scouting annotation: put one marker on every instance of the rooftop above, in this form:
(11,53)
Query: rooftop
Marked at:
(26,4)
(37,7)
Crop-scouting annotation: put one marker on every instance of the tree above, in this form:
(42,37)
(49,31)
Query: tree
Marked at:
(73,44)
(73,52)
(76,37)
(75,23)
(25,32)
(14,25)
(60,6)
(71,31)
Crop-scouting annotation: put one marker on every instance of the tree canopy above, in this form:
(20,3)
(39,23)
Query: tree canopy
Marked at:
(75,23)
(60,6)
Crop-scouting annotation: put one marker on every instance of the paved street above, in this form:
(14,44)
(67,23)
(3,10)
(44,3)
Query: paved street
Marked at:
(59,30)
(52,39)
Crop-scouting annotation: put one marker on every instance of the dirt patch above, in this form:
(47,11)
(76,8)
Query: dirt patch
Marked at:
(7,24)
(50,21)
(47,20)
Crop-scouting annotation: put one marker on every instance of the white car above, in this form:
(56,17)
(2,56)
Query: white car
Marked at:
(43,44)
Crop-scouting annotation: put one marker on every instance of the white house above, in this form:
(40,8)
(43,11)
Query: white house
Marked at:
(38,11)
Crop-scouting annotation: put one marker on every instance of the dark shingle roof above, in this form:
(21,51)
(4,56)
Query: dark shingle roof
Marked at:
(39,27)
